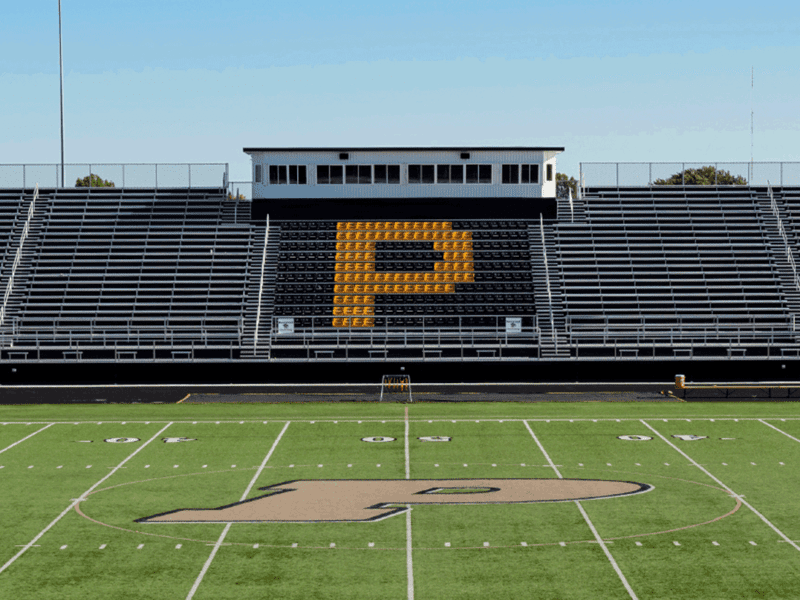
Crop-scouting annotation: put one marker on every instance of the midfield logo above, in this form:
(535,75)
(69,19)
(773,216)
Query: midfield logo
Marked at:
(342,500)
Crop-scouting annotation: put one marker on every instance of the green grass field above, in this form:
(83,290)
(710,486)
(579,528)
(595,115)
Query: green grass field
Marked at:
(721,519)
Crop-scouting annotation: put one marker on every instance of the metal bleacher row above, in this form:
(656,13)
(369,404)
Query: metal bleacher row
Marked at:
(127,268)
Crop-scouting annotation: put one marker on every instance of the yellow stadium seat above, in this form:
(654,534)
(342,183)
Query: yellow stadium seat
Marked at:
(437,225)
(340,226)
(338,310)
(361,225)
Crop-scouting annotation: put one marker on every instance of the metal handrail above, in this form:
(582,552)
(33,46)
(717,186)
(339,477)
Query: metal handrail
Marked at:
(782,231)
(18,256)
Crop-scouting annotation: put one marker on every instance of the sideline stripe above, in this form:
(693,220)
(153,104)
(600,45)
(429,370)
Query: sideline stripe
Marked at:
(734,494)
(779,430)
(586,518)
(409,562)
(25,438)
(228,525)
(80,499)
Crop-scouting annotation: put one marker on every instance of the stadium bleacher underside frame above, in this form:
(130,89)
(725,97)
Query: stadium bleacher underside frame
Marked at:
(116,283)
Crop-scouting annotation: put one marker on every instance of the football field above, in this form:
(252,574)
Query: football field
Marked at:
(424,501)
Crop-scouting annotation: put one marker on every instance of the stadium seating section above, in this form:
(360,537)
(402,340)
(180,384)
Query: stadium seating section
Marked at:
(129,274)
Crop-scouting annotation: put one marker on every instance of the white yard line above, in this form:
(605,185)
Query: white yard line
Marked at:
(734,494)
(228,526)
(25,438)
(79,499)
(779,430)
(409,562)
(586,518)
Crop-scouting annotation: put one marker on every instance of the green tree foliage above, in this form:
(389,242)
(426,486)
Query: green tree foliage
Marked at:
(564,183)
(93,180)
(703,176)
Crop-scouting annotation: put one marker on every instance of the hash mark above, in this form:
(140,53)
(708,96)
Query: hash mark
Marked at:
(638,464)
(140,546)
(347,465)
(204,466)
(638,543)
(524,544)
(178,546)
(780,463)
(715,543)
(233,466)
(294,545)
(175,466)
(562,544)
(63,547)
(333,545)
(30,467)
(485,544)
(752,463)
(88,466)
(435,465)
(447,544)
(677,543)
(378,465)
(725,464)
(494,465)
(147,466)
(255,546)
(102,546)
(319,465)
(371,544)
(521,464)
(752,543)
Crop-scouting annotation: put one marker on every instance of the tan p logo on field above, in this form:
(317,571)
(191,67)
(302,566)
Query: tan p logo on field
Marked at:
(357,282)
(335,500)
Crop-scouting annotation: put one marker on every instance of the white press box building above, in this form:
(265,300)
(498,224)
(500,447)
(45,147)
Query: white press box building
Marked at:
(455,182)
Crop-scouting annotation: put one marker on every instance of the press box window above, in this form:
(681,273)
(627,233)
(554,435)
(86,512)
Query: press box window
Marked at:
(358,174)
(279,174)
(529,174)
(479,173)
(387,173)
(549,172)
(450,173)
(258,174)
(511,173)
(329,174)
(420,173)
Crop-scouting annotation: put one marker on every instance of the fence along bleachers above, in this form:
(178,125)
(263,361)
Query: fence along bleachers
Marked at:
(326,309)
(676,262)
(136,268)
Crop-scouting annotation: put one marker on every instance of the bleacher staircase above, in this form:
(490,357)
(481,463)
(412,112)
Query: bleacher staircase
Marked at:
(548,293)
(28,241)
(262,270)
(782,250)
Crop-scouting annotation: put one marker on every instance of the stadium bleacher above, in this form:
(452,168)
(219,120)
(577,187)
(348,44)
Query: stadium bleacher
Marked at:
(656,272)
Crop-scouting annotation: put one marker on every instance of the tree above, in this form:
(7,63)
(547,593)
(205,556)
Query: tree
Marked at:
(703,176)
(564,183)
(93,180)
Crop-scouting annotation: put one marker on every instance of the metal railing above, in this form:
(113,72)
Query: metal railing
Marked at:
(645,174)
(132,333)
(125,175)
(782,231)
(18,256)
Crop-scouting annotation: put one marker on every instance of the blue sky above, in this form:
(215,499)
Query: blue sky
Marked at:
(196,81)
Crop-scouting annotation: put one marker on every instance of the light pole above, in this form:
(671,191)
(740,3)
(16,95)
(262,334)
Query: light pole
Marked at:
(61,70)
